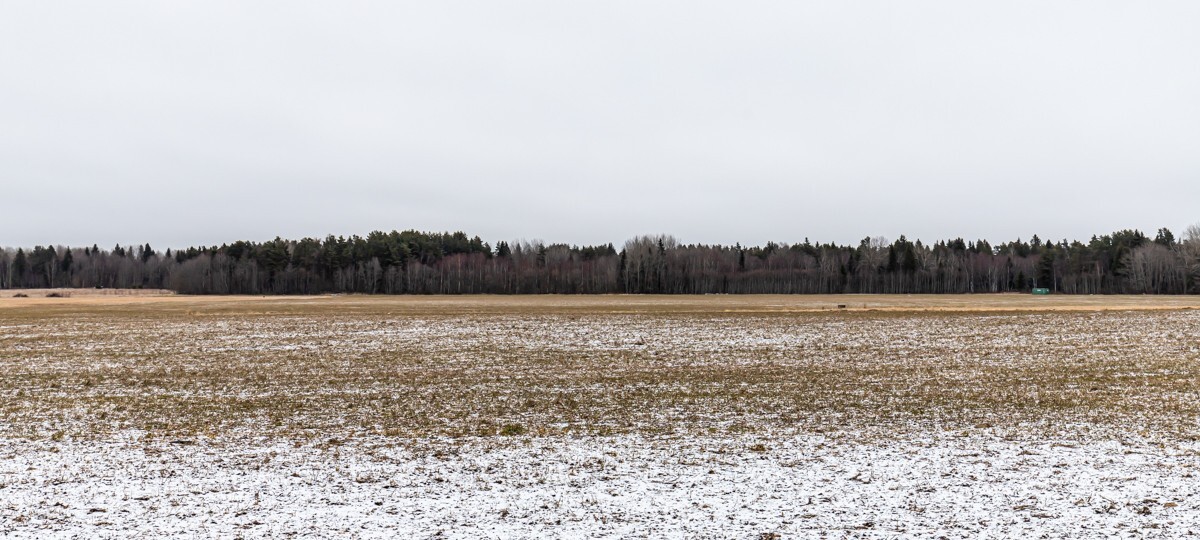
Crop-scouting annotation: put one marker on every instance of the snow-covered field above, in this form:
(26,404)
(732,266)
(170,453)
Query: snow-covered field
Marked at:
(615,487)
(480,418)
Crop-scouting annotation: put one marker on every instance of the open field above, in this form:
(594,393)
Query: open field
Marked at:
(721,416)
(18,294)
(83,300)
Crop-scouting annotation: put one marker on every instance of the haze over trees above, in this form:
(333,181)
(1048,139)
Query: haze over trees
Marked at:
(413,262)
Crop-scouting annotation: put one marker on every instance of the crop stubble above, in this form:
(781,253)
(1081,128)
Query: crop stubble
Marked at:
(333,368)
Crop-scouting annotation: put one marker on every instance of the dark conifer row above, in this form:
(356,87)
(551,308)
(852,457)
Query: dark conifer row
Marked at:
(413,262)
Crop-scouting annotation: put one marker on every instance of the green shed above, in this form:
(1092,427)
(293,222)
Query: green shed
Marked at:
(1041,291)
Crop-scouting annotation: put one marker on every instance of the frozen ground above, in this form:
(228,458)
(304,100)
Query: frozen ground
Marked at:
(810,485)
(579,418)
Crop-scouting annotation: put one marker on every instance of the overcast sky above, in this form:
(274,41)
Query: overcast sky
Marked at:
(183,123)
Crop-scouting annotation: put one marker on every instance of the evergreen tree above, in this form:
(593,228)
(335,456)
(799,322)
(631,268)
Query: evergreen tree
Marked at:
(1045,270)
(20,266)
(909,262)
(67,262)
(1164,237)
(621,273)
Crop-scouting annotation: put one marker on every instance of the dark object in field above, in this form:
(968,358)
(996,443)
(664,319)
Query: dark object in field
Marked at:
(841,306)
(512,430)
(55,295)
(20,295)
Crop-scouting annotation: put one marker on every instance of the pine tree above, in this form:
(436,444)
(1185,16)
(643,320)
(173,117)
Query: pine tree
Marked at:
(1164,237)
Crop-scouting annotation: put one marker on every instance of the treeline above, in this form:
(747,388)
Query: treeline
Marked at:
(413,262)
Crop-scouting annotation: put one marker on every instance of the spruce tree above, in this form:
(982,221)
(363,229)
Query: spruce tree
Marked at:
(67,262)
(20,265)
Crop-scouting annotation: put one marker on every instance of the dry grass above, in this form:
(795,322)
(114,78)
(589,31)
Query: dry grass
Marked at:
(87,299)
(80,293)
(329,368)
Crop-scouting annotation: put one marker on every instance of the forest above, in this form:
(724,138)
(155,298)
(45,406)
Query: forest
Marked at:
(414,262)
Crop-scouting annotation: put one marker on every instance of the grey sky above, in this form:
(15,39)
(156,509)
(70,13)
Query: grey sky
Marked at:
(182,123)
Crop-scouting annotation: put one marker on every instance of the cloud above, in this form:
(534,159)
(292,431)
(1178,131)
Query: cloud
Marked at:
(188,123)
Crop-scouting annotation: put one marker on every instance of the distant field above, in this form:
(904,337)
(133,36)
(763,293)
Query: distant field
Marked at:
(787,379)
(165,301)
(18,294)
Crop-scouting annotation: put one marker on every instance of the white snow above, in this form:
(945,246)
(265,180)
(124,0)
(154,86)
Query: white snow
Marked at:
(946,485)
(925,450)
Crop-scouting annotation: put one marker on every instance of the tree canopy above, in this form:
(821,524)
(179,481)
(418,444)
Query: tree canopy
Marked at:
(415,262)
